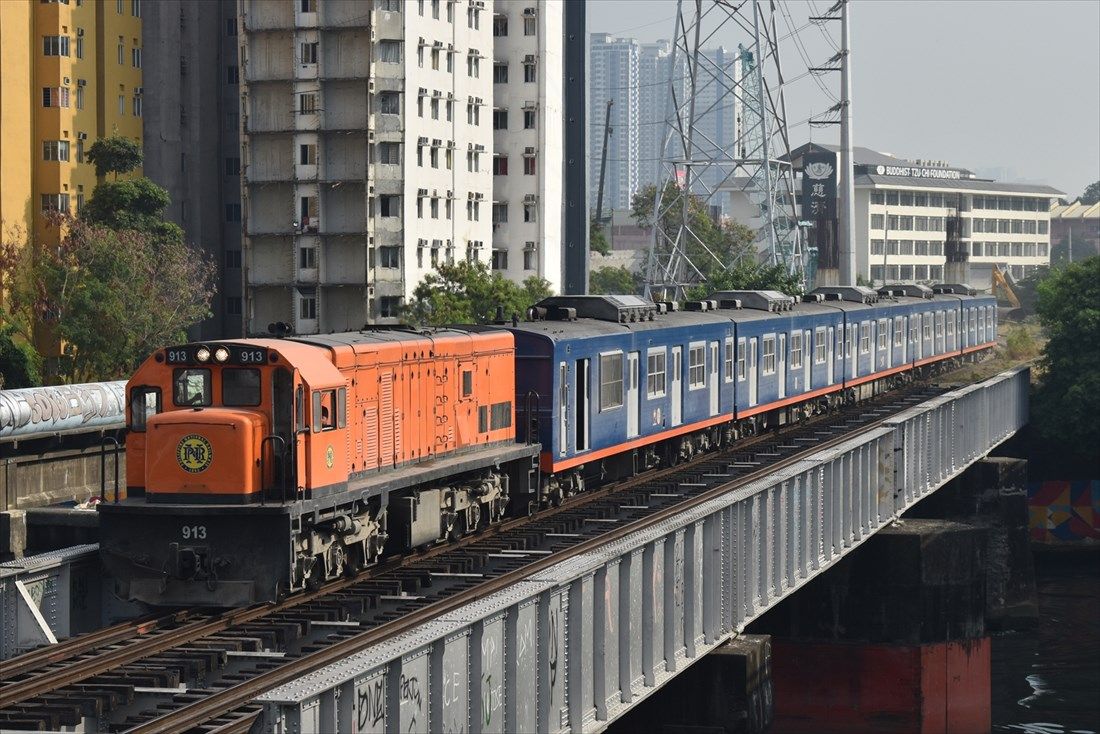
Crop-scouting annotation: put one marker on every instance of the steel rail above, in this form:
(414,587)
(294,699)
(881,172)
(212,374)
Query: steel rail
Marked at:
(217,704)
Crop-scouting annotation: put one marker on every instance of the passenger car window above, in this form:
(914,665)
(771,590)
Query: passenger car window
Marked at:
(240,387)
(191,387)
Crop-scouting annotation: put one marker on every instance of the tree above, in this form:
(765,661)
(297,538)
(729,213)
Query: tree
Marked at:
(1092,193)
(115,154)
(136,204)
(111,296)
(1067,400)
(468,293)
(20,365)
(597,242)
(751,276)
(614,281)
(720,244)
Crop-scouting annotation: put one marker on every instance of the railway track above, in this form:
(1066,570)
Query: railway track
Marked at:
(189,672)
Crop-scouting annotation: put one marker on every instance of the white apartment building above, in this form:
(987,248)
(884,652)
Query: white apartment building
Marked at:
(613,75)
(902,208)
(366,137)
(654,105)
(528,139)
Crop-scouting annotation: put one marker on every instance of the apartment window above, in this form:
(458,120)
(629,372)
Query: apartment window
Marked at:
(55,150)
(135,58)
(656,361)
(55,203)
(308,53)
(528,119)
(450,107)
(434,207)
(697,371)
(389,153)
(118,6)
(435,59)
(79,149)
(307,258)
(232,74)
(500,165)
(135,8)
(450,12)
(529,212)
(500,119)
(877,197)
(137,105)
(389,307)
(473,65)
(433,156)
(307,154)
(55,45)
(389,206)
(500,73)
(878,221)
(529,24)
(233,258)
(308,6)
(420,53)
(307,307)
(473,17)
(530,256)
(389,257)
(121,51)
(307,103)
(233,305)
(529,165)
(389,103)
(500,213)
(232,212)
(500,26)
(892,198)
(230,26)
(529,72)
(122,104)
(435,108)
(80,43)
(500,259)
(796,351)
(611,381)
(389,51)
(435,9)
(420,102)
(768,363)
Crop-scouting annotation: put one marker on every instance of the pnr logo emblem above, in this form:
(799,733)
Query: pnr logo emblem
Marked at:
(194,453)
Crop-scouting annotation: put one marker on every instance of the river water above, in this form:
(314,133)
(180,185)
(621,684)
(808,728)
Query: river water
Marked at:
(1047,680)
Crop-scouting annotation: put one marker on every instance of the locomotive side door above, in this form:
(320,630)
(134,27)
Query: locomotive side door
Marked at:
(632,406)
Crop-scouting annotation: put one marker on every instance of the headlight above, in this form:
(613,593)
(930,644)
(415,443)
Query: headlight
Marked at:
(221,354)
(202,354)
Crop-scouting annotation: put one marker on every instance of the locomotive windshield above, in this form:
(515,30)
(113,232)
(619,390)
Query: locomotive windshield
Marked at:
(241,387)
(191,387)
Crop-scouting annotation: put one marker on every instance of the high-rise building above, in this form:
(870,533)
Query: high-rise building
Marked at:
(71,73)
(192,138)
(654,104)
(366,135)
(528,141)
(614,77)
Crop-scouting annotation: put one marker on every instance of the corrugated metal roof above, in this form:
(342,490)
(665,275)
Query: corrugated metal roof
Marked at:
(1076,210)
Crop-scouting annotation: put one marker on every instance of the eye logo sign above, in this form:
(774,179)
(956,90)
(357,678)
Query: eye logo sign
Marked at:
(194,453)
(818,170)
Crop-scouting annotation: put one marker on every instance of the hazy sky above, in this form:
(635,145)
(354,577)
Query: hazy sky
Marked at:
(979,83)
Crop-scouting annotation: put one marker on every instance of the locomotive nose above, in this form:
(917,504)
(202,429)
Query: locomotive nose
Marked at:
(207,455)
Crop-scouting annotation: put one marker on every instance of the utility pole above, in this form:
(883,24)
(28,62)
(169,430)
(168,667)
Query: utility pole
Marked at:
(848,189)
(603,163)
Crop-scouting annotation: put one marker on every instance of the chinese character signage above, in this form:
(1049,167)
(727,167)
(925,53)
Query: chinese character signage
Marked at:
(819,185)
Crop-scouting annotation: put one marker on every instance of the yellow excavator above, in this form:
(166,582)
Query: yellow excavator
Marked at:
(1001,286)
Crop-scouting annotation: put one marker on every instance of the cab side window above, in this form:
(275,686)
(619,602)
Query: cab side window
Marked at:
(329,410)
(144,402)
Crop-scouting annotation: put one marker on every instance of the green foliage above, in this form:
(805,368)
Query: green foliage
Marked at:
(136,204)
(115,154)
(1020,343)
(1067,402)
(748,275)
(20,365)
(719,245)
(469,293)
(1092,193)
(597,242)
(614,281)
(112,296)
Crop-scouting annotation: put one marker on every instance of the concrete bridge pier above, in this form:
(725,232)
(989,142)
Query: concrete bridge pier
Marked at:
(891,640)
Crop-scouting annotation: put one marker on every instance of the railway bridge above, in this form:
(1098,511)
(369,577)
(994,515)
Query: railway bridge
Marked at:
(568,623)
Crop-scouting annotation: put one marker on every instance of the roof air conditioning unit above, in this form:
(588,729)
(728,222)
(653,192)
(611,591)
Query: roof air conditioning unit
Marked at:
(65,81)
(81,82)
(370,191)
(528,151)
(529,11)
(370,136)
(79,31)
(139,90)
(370,86)
(82,136)
(529,59)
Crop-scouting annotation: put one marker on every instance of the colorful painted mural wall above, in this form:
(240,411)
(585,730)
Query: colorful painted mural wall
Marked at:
(1064,511)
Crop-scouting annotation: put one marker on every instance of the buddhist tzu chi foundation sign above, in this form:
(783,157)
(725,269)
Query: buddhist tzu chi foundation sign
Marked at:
(819,185)
(913,172)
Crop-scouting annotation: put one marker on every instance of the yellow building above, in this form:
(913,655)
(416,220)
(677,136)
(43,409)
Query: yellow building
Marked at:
(70,73)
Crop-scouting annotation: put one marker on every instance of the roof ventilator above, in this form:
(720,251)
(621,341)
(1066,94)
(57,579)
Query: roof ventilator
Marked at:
(759,300)
(853,293)
(619,309)
(959,289)
(912,290)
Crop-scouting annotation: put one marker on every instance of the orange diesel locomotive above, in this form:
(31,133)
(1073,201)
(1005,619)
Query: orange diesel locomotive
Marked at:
(260,466)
